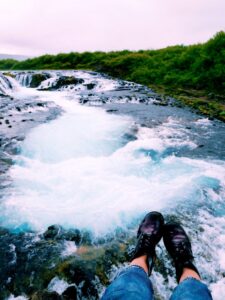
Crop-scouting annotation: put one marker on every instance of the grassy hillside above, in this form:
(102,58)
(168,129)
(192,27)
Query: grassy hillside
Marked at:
(194,74)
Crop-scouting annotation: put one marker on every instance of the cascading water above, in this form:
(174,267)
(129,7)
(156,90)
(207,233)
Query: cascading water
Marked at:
(24,78)
(6,85)
(97,171)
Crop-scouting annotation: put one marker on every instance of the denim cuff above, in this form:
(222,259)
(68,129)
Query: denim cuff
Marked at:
(131,269)
(191,288)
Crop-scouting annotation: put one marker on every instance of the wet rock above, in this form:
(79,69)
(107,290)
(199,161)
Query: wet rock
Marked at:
(129,137)
(9,74)
(52,232)
(70,293)
(90,86)
(87,238)
(63,81)
(72,235)
(40,104)
(57,233)
(82,273)
(161,103)
(158,98)
(38,78)
(111,110)
(83,101)
(45,295)
(179,104)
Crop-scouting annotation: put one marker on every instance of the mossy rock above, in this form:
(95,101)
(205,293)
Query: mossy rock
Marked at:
(65,81)
(9,74)
(38,78)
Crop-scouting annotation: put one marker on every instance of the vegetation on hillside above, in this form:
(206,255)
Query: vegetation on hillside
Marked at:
(194,74)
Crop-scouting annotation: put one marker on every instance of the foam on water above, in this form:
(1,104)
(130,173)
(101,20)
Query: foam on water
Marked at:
(58,285)
(12,297)
(80,168)
(218,289)
(80,132)
(70,248)
(100,84)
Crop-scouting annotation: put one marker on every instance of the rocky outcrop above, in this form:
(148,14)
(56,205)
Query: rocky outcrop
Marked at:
(37,79)
(32,261)
(64,81)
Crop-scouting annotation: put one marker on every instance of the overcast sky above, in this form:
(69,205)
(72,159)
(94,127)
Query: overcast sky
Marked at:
(34,27)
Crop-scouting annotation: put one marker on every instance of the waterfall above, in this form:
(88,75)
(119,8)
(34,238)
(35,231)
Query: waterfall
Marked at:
(24,78)
(7,84)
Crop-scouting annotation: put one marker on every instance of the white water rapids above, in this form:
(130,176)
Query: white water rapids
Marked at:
(80,171)
(76,171)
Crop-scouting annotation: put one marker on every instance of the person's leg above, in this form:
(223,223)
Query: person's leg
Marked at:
(133,283)
(189,273)
(141,262)
(191,289)
(179,247)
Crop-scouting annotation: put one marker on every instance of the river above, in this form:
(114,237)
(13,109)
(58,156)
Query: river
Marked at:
(97,166)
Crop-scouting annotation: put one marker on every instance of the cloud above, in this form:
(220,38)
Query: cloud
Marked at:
(37,26)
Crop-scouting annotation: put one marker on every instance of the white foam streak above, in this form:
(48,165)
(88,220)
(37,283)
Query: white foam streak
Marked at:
(58,285)
(218,289)
(24,78)
(70,248)
(12,297)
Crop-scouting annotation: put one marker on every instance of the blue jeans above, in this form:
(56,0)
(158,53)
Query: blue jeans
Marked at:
(133,283)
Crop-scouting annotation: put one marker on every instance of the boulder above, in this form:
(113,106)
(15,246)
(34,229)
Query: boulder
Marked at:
(38,78)
(63,81)
(52,232)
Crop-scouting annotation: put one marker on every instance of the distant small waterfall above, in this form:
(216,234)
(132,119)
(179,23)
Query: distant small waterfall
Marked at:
(7,85)
(24,79)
